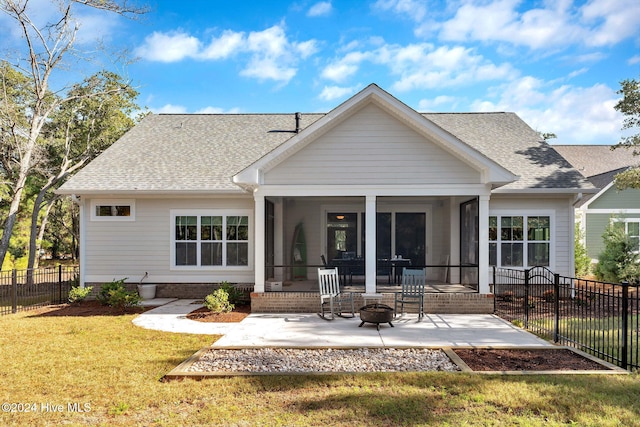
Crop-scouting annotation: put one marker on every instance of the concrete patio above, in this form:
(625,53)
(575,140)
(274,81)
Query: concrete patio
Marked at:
(309,330)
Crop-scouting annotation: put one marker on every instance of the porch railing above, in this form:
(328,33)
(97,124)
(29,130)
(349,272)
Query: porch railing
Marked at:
(32,288)
(353,274)
(597,317)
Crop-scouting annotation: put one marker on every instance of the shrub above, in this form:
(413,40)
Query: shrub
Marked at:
(114,294)
(218,301)
(78,294)
(549,296)
(618,261)
(236,296)
(582,259)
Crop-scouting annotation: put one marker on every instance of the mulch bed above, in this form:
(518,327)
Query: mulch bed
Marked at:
(87,308)
(527,360)
(203,314)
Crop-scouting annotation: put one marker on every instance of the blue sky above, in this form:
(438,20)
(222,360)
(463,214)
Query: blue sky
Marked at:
(556,63)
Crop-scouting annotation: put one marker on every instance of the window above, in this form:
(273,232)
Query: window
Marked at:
(210,239)
(112,210)
(632,230)
(519,240)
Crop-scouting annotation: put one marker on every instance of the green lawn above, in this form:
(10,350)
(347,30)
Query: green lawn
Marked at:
(111,370)
(600,333)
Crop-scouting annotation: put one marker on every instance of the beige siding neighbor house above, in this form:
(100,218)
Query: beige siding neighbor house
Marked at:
(264,199)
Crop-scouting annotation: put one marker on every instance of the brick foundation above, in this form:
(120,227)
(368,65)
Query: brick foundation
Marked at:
(309,302)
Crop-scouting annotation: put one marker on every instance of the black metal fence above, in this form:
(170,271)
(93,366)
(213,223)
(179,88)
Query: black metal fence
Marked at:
(32,288)
(596,317)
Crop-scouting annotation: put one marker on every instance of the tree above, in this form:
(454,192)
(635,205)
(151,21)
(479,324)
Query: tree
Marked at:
(629,105)
(45,48)
(581,258)
(618,261)
(100,112)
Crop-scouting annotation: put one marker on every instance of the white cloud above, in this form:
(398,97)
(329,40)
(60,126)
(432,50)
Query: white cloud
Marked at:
(224,46)
(345,67)
(322,8)
(181,109)
(612,21)
(170,109)
(414,9)
(554,24)
(268,54)
(634,60)
(217,110)
(500,21)
(330,93)
(436,103)
(580,115)
(422,66)
(268,69)
(168,47)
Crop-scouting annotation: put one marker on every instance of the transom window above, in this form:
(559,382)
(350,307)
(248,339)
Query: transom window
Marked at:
(113,210)
(519,240)
(211,239)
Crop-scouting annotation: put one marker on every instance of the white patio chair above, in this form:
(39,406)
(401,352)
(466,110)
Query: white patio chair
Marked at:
(412,292)
(331,298)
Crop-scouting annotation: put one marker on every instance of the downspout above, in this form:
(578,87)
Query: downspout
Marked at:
(81,239)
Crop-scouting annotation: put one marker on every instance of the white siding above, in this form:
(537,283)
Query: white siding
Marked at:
(118,249)
(371,147)
(562,228)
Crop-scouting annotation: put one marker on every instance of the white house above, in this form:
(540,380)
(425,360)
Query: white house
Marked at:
(251,199)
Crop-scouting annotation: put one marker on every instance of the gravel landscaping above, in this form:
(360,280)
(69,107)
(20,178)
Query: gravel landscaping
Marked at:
(265,360)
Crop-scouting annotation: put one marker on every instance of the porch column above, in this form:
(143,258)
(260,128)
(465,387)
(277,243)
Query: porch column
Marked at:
(370,249)
(259,242)
(483,241)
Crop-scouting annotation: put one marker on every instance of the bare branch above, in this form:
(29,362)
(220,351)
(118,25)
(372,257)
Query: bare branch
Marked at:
(123,8)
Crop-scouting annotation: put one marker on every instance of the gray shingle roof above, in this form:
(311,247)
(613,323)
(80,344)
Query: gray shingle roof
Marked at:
(510,142)
(591,160)
(202,152)
(185,152)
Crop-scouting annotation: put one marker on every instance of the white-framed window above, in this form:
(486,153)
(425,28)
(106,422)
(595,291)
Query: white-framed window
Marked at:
(631,229)
(210,239)
(520,240)
(113,210)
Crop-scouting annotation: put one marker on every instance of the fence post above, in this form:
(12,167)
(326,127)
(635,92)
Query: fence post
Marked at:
(625,325)
(59,284)
(556,308)
(526,298)
(14,291)
(494,288)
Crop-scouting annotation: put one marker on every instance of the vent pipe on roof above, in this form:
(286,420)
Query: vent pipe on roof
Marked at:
(298,116)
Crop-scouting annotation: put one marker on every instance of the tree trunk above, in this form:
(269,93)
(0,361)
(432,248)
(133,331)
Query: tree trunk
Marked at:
(12,216)
(36,235)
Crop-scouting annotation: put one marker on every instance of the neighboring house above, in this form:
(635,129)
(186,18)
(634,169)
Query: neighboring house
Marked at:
(600,164)
(196,199)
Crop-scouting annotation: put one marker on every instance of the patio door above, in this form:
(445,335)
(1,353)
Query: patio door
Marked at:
(403,234)
(342,235)
(397,233)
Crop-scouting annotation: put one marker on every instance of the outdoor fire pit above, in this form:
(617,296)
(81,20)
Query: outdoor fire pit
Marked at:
(376,313)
